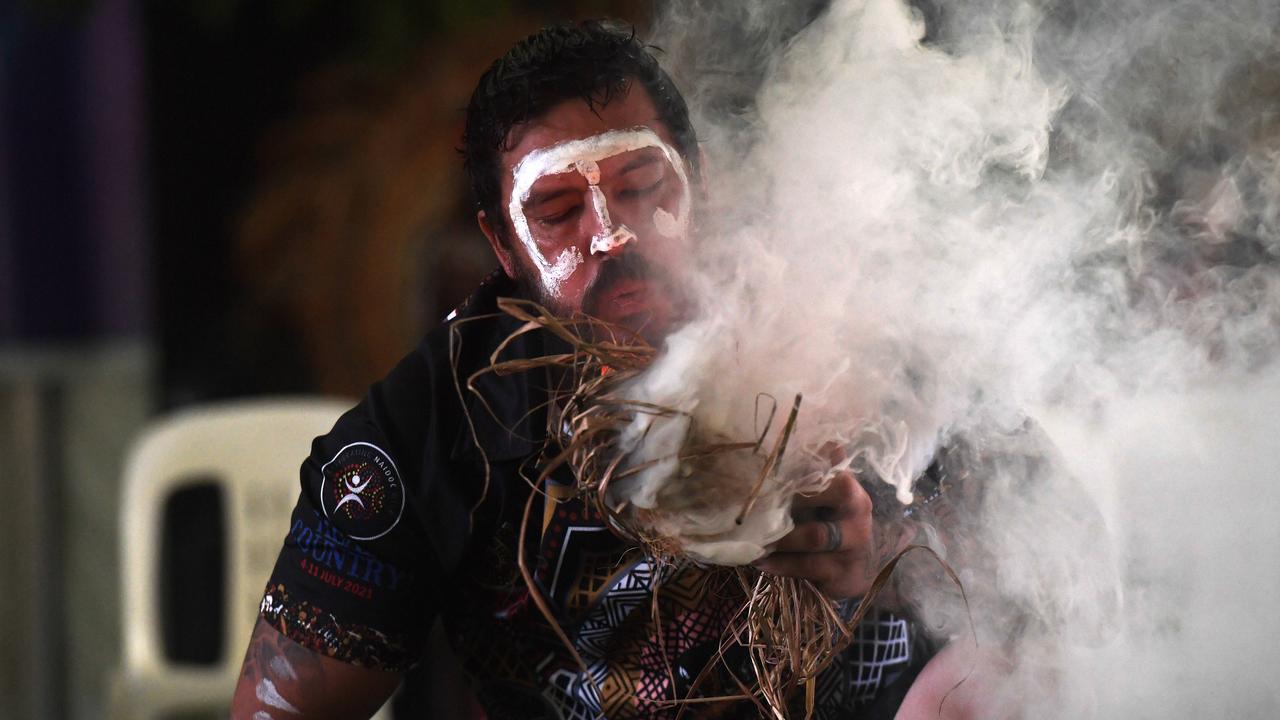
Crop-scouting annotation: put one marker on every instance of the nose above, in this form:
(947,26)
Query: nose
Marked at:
(613,241)
(606,239)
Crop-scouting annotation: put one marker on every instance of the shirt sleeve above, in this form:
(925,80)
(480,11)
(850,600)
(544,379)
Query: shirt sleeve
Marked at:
(354,575)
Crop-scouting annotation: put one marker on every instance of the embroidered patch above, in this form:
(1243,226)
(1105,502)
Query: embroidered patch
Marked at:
(361,493)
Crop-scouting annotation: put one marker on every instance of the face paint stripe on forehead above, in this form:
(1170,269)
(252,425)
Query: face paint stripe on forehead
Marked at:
(583,155)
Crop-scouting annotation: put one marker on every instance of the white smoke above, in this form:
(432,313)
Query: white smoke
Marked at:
(929,219)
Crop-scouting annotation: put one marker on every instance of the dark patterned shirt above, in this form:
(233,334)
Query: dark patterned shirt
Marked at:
(403,517)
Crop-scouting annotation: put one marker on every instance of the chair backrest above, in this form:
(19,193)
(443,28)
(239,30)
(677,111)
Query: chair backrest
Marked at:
(252,451)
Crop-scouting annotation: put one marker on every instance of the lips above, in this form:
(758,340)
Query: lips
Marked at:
(640,304)
(625,297)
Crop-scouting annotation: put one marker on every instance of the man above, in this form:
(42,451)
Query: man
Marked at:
(585,168)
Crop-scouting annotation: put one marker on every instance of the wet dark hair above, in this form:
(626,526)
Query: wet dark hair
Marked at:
(593,61)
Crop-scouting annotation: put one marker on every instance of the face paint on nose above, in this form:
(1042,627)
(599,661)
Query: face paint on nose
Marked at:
(609,238)
(583,155)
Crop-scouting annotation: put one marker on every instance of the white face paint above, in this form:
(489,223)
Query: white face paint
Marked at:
(614,239)
(584,156)
(666,223)
(608,239)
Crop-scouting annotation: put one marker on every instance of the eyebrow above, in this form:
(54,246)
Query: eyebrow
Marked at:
(538,198)
(639,162)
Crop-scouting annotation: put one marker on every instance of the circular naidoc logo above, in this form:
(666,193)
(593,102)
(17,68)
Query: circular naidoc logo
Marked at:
(361,492)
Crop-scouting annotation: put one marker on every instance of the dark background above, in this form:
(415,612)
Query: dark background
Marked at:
(138,139)
(205,200)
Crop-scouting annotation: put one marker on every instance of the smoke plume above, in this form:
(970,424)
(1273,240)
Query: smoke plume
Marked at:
(936,218)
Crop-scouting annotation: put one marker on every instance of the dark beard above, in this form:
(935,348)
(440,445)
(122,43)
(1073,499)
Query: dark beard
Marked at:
(628,266)
(531,287)
(613,270)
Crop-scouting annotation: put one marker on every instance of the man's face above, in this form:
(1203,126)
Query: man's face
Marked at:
(597,207)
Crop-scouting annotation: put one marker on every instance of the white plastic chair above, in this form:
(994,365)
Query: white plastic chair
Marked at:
(252,450)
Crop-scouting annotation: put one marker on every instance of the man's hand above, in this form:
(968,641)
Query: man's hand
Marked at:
(282,680)
(833,544)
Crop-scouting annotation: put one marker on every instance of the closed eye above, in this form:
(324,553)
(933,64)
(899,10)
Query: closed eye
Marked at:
(633,193)
(559,218)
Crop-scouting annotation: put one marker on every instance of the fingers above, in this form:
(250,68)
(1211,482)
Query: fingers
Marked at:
(845,497)
(843,573)
(831,544)
(837,575)
(818,537)
(832,555)
(817,568)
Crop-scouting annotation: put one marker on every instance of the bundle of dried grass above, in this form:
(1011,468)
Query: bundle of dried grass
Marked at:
(788,629)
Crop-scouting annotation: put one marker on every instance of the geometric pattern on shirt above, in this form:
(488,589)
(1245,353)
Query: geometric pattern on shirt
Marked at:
(569,689)
(630,592)
(880,651)
(621,626)
(597,578)
(638,660)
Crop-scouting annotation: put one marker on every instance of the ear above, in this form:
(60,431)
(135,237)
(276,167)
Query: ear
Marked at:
(500,249)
